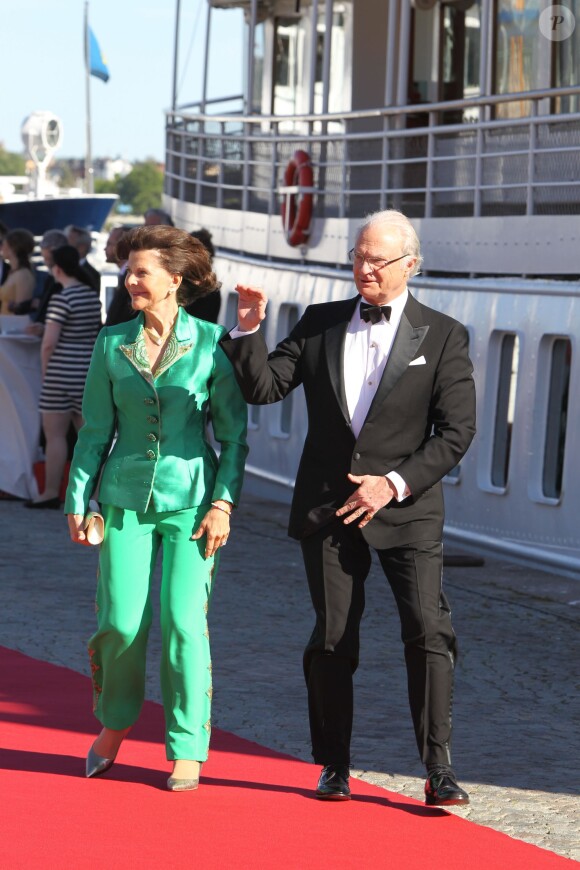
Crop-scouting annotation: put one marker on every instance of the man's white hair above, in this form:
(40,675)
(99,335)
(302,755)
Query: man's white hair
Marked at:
(392,219)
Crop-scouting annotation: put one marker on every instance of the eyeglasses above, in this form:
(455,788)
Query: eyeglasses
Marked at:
(374,263)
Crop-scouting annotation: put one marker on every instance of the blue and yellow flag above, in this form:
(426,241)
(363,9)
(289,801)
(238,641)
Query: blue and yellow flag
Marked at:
(97,65)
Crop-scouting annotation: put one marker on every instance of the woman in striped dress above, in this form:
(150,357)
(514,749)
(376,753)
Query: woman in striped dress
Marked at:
(73,321)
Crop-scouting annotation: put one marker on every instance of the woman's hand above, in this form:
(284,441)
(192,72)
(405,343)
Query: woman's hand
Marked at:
(216,526)
(75,527)
(251,306)
(50,339)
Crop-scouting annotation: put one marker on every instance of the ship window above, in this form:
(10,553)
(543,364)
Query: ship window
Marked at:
(254,416)
(454,476)
(334,89)
(522,59)
(471,83)
(259,39)
(319,56)
(287,320)
(231,321)
(286,71)
(505,405)
(285,48)
(282,60)
(557,413)
(446,58)
(567,65)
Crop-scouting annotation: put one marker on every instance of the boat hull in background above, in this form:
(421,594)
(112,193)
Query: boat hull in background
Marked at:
(39,215)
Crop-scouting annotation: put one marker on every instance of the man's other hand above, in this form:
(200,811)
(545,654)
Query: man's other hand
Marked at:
(373,493)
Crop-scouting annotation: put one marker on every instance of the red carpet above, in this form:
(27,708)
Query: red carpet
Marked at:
(254,807)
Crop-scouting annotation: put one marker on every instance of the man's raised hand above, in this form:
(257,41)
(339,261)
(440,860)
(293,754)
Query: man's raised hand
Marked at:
(251,306)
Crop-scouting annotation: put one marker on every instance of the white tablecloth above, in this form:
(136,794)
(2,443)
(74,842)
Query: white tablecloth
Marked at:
(20,383)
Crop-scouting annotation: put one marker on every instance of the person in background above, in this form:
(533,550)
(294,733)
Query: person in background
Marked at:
(18,289)
(81,239)
(152,383)
(391,410)
(37,307)
(155,217)
(4,264)
(120,309)
(73,321)
(205,307)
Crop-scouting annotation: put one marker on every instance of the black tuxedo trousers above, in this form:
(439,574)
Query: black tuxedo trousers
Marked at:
(337,560)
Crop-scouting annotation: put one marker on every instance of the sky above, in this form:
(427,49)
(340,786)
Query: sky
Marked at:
(42,68)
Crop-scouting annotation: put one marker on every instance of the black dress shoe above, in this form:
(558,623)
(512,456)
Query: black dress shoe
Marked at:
(50,503)
(442,790)
(333,783)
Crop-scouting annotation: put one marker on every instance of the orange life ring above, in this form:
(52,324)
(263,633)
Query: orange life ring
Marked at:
(297,207)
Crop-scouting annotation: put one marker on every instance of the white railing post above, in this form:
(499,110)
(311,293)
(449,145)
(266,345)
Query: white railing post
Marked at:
(343,178)
(384,165)
(220,181)
(531,159)
(246,169)
(430,174)
(272,205)
(478,174)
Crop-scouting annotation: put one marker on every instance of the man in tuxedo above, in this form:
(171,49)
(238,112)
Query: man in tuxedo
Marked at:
(81,239)
(391,408)
(120,309)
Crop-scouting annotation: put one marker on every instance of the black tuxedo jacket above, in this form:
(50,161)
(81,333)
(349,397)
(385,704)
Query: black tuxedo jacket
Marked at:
(93,276)
(420,423)
(120,309)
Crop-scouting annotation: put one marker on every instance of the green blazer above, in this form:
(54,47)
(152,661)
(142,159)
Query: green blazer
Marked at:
(161,451)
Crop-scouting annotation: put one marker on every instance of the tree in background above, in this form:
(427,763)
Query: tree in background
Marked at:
(142,187)
(103,185)
(10,163)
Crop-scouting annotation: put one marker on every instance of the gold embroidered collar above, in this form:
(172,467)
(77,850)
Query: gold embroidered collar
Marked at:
(136,353)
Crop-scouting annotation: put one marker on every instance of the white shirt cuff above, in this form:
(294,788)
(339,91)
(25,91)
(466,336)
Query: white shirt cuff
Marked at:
(236,332)
(403,490)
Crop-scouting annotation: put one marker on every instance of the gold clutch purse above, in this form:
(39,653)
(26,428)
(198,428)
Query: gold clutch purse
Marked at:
(94,529)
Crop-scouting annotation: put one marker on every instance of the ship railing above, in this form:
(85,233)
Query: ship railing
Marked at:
(509,154)
(199,105)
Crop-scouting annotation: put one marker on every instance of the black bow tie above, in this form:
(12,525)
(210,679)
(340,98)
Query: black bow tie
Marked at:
(374,313)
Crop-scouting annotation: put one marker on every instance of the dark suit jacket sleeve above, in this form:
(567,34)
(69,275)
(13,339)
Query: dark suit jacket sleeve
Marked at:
(452,415)
(265,378)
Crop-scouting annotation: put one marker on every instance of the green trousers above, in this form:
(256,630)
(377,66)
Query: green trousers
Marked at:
(124,613)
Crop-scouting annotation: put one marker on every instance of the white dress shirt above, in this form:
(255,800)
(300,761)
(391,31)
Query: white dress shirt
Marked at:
(366,351)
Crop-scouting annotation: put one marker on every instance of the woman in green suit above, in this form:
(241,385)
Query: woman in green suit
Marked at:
(152,383)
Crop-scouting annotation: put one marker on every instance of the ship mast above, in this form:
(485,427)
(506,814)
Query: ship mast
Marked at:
(175,54)
(89,177)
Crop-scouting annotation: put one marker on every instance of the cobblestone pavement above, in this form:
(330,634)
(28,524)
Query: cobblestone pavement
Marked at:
(517,717)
